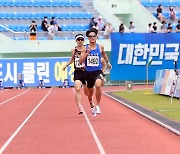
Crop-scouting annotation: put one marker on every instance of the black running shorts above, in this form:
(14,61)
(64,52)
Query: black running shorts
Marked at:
(91,78)
(79,75)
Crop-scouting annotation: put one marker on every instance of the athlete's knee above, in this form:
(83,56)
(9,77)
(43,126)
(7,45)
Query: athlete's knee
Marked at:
(90,92)
(78,89)
(86,93)
(98,83)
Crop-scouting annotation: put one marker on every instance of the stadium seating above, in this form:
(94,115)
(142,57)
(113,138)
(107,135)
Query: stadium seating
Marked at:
(40,15)
(18,14)
(155,3)
(152,5)
(69,27)
(40,3)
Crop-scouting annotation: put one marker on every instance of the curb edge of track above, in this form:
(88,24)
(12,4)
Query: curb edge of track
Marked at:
(153,116)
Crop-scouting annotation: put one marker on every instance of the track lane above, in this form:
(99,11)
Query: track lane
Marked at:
(13,113)
(122,130)
(56,127)
(6,94)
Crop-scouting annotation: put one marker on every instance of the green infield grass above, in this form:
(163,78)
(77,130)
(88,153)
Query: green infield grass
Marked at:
(158,103)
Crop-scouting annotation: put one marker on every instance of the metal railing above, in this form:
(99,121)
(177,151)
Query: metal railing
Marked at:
(42,35)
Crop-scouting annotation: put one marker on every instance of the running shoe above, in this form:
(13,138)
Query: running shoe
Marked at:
(91,104)
(98,109)
(80,110)
(93,111)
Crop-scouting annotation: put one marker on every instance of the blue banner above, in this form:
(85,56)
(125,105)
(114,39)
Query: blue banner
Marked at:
(131,52)
(32,70)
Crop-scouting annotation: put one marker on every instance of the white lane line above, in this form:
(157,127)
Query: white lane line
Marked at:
(99,145)
(14,97)
(20,127)
(3,91)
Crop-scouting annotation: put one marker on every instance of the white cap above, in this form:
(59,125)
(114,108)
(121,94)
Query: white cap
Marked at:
(79,36)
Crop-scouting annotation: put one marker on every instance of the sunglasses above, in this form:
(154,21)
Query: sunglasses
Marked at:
(92,36)
(80,39)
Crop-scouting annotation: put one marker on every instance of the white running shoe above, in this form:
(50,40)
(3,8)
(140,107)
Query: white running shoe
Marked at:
(98,109)
(93,111)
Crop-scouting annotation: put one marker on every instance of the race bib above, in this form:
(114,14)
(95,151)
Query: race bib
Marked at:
(77,64)
(92,61)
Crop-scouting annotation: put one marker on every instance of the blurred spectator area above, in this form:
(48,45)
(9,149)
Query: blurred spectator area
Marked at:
(151,5)
(16,15)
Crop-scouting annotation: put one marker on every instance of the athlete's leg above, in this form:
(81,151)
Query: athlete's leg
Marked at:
(85,90)
(77,85)
(90,94)
(98,85)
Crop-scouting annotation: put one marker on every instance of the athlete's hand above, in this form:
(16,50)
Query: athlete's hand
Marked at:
(109,65)
(64,67)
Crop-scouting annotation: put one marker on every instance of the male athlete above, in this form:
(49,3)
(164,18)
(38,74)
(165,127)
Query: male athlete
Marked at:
(93,66)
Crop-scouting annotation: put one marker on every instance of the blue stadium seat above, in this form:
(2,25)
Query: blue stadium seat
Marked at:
(88,15)
(33,15)
(25,28)
(35,3)
(15,15)
(3,15)
(67,15)
(77,27)
(79,15)
(1,4)
(24,3)
(20,3)
(42,3)
(47,3)
(71,27)
(65,27)
(166,14)
(84,27)
(145,3)
(74,15)
(28,15)
(7,3)
(67,3)
(60,16)
(29,4)
(75,3)
(19,28)
(21,15)
(1,29)
(39,28)
(55,3)
(178,14)
(10,15)
(177,2)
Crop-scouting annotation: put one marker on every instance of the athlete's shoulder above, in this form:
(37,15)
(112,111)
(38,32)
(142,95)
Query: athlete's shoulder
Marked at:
(73,50)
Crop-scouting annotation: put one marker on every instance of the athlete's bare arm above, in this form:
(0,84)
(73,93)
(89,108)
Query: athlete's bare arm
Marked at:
(104,55)
(70,61)
(104,66)
(84,54)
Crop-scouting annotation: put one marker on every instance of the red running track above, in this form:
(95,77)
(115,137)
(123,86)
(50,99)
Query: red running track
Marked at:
(46,121)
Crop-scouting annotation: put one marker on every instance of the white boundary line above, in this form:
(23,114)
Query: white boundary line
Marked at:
(14,97)
(20,127)
(99,145)
(3,90)
(145,115)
